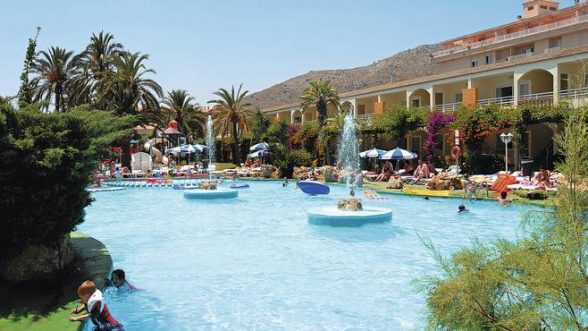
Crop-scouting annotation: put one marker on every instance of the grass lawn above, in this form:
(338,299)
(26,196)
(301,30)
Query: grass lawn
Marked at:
(47,306)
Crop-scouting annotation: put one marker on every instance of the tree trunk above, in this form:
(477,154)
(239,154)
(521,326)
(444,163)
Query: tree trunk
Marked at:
(236,156)
(57,99)
(321,107)
(125,157)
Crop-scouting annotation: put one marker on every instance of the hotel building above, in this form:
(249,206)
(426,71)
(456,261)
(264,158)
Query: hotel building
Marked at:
(542,57)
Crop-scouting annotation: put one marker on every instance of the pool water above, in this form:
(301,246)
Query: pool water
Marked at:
(256,263)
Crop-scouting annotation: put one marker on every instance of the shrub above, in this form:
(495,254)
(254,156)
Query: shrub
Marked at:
(45,165)
(286,160)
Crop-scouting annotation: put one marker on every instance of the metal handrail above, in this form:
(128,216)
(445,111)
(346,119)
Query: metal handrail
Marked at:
(514,35)
(448,106)
(537,96)
(503,101)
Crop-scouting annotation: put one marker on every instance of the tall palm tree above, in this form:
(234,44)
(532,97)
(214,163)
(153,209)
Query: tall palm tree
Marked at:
(180,107)
(54,70)
(232,115)
(129,91)
(320,93)
(96,62)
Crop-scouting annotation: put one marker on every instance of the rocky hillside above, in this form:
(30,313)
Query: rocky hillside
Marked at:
(411,63)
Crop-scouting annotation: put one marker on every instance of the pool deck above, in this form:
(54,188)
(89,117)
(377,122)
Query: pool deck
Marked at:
(50,311)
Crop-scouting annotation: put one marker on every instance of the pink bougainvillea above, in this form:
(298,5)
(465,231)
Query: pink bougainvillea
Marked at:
(437,120)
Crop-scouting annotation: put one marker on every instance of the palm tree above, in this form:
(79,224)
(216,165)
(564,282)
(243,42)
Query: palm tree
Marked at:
(54,71)
(181,108)
(97,62)
(129,91)
(320,93)
(232,115)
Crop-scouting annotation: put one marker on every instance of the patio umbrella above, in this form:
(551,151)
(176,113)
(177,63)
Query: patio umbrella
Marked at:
(259,147)
(256,154)
(399,154)
(374,152)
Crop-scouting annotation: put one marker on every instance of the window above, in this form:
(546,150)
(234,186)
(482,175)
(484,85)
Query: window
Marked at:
(438,99)
(488,59)
(458,97)
(416,102)
(543,7)
(552,8)
(530,8)
(504,92)
(360,109)
(415,144)
(475,63)
(564,82)
(555,42)
(525,87)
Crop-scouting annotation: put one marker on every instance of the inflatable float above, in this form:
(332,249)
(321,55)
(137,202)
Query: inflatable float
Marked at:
(313,187)
(239,186)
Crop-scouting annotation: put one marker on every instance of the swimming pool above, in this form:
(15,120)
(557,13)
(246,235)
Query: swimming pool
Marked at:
(256,263)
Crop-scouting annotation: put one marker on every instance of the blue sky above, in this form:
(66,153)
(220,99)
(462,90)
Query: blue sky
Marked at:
(202,45)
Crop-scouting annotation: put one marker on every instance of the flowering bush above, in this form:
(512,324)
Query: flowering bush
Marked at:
(437,120)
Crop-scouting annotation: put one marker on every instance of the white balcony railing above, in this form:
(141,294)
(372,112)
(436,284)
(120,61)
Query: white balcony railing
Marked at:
(448,107)
(574,93)
(515,35)
(365,117)
(519,56)
(503,101)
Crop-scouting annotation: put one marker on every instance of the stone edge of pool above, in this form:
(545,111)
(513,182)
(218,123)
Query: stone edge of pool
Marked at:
(96,262)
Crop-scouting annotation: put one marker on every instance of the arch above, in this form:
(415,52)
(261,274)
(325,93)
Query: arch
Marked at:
(419,98)
(297,116)
(535,82)
(346,106)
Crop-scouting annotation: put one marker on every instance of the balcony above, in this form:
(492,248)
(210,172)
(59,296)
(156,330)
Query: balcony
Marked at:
(502,101)
(448,107)
(365,117)
(512,36)
(545,98)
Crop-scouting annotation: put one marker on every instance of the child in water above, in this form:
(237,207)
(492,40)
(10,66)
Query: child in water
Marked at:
(285,183)
(502,199)
(118,280)
(96,309)
(462,209)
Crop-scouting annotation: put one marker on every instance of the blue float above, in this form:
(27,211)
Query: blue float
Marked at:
(313,187)
(239,186)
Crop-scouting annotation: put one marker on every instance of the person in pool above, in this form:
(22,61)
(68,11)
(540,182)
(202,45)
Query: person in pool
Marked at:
(462,209)
(96,309)
(118,280)
(285,183)
(503,199)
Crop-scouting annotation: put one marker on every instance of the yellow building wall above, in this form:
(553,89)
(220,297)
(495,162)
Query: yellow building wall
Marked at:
(449,91)
(394,99)
(487,86)
(540,81)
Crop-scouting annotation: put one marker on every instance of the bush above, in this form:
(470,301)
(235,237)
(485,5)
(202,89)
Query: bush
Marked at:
(45,165)
(537,195)
(478,163)
(285,160)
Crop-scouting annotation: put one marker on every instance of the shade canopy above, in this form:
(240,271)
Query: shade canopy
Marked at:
(256,154)
(372,153)
(259,147)
(188,148)
(399,154)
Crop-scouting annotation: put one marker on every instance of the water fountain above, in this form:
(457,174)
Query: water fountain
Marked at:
(209,190)
(210,141)
(349,211)
(348,150)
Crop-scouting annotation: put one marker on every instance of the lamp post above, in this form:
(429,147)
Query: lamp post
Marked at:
(506,139)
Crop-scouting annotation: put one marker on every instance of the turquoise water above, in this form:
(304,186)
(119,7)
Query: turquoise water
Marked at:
(255,263)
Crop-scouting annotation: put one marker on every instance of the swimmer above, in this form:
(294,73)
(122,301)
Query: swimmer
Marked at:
(426,198)
(285,183)
(502,199)
(462,209)
(119,281)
